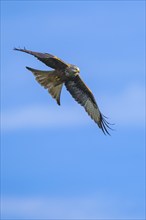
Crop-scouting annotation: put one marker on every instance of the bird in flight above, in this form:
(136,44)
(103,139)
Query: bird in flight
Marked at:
(68,75)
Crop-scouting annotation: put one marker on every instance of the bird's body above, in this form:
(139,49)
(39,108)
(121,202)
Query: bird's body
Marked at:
(68,75)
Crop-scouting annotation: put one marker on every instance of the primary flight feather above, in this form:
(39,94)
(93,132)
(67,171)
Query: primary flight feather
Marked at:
(68,75)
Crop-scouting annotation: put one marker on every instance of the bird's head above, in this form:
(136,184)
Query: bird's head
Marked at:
(72,70)
(75,69)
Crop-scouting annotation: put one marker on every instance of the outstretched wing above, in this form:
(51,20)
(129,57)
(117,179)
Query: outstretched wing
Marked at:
(82,94)
(49,80)
(50,60)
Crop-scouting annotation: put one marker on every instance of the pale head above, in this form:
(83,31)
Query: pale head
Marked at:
(72,70)
(75,69)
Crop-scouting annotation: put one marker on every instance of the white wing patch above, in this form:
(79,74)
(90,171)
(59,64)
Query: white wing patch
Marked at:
(83,95)
(92,110)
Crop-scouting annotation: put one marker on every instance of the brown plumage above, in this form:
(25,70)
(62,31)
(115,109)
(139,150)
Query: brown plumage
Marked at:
(68,75)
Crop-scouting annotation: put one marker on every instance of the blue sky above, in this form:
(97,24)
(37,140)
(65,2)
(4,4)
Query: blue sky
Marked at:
(55,161)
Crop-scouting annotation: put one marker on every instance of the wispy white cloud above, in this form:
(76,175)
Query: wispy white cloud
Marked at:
(126,108)
(99,207)
(37,116)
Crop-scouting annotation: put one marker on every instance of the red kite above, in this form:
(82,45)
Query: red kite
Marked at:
(68,75)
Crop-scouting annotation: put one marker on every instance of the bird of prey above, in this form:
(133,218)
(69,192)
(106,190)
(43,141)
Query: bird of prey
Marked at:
(68,75)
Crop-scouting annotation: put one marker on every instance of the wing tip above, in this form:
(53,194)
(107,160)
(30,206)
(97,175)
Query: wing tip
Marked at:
(105,125)
(58,102)
(15,48)
(28,68)
(19,49)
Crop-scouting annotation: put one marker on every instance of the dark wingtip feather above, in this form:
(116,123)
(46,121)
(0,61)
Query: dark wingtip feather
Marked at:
(28,68)
(58,102)
(15,48)
(105,125)
(19,49)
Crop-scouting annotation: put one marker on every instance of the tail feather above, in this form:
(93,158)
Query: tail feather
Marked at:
(49,80)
